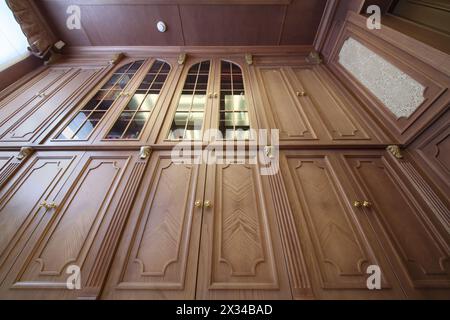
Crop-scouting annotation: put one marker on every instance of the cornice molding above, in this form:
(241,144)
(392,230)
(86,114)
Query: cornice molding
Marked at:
(132,51)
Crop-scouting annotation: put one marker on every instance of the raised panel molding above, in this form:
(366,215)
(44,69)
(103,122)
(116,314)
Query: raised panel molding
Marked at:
(19,203)
(157,257)
(421,251)
(240,225)
(70,237)
(46,111)
(31,94)
(333,112)
(288,114)
(330,225)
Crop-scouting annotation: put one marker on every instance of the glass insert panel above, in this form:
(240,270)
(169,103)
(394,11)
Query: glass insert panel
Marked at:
(187,123)
(133,118)
(85,121)
(234,121)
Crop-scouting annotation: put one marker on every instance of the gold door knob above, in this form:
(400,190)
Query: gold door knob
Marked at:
(357,204)
(216,95)
(301,93)
(198,204)
(208,204)
(367,204)
(210,96)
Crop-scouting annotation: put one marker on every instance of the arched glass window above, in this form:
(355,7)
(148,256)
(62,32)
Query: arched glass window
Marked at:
(90,115)
(233,121)
(188,120)
(132,120)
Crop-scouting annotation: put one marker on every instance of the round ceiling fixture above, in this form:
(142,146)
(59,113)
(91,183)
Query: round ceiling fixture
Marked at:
(161,25)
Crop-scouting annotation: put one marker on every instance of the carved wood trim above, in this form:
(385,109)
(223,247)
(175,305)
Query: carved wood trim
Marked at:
(296,265)
(439,208)
(325,24)
(106,252)
(435,81)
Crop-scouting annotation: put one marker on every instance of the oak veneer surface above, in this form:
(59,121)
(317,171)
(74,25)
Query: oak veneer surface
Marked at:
(147,228)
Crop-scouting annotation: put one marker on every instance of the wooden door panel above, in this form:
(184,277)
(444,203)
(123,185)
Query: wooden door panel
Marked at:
(418,250)
(26,125)
(19,202)
(288,114)
(339,243)
(329,104)
(158,255)
(240,250)
(73,233)
(28,95)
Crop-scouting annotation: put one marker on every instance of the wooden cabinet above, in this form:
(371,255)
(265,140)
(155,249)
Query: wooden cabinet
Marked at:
(146,227)
(36,108)
(63,209)
(342,237)
(212,94)
(308,107)
(187,238)
(240,251)
(123,108)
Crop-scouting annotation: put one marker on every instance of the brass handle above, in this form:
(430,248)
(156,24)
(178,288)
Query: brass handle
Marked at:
(301,93)
(367,204)
(208,204)
(357,204)
(198,204)
(216,95)
(47,205)
(43,204)
(210,96)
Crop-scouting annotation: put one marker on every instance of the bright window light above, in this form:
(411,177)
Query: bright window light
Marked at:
(13,42)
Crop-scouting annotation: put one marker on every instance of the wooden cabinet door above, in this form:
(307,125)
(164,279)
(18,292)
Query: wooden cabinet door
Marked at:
(335,108)
(29,95)
(308,107)
(189,113)
(240,253)
(338,241)
(40,106)
(157,257)
(91,202)
(417,248)
(97,107)
(20,200)
(284,109)
(134,118)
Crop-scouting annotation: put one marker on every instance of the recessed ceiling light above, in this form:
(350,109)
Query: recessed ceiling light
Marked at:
(161,26)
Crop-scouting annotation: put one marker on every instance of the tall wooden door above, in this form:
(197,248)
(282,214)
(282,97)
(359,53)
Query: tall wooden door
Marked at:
(158,254)
(416,243)
(240,253)
(63,212)
(338,241)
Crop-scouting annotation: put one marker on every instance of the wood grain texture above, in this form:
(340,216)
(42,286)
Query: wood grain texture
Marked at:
(189,22)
